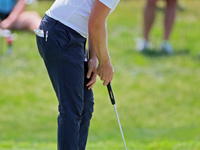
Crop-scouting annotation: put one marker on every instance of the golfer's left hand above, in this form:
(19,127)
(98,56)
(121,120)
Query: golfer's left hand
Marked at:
(92,73)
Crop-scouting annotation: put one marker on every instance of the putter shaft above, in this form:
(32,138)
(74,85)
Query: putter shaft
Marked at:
(115,108)
(120,127)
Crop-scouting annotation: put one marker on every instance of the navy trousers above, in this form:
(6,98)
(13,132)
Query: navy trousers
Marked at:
(63,52)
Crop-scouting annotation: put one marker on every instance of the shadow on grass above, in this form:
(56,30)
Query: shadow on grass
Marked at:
(179,8)
(159,53)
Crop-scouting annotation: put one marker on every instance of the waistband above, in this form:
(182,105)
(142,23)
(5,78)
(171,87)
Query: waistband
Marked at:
(49,19)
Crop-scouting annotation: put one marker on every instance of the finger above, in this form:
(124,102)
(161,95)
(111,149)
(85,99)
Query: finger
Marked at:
(105,82)
(89,73)
(101,76)
(92,81)
(109,80)
(98,72)
(91,86)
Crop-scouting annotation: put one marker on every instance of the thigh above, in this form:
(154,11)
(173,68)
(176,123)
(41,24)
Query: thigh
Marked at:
(27,20)
(63,54)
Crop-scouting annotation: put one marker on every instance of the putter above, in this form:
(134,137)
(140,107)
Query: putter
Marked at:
(113,103)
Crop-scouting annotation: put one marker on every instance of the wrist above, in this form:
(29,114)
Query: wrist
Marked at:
(105,60)
(93,60)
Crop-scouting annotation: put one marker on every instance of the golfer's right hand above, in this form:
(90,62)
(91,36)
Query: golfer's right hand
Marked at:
(105,71)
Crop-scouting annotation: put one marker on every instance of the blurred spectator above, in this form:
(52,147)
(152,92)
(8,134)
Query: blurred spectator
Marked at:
(14,16)
(149,16)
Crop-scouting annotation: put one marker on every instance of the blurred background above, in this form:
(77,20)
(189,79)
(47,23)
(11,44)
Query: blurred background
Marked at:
(157,95)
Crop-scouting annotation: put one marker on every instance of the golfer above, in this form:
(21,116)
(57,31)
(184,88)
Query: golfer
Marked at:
(61,40)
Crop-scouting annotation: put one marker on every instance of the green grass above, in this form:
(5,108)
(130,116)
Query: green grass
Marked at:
(157,96)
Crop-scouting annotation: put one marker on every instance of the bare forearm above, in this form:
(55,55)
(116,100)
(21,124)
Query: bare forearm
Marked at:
(98,32)
(92,54)
(17,10)
(98,39)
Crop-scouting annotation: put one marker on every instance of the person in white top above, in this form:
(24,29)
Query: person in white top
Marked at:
(61,40)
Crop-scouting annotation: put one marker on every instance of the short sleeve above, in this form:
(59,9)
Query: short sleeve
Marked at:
(108,3)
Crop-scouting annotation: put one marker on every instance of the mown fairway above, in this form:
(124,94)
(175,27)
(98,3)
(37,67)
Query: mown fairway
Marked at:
(157,96)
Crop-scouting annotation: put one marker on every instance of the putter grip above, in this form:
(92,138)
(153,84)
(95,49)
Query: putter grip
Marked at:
(111,94)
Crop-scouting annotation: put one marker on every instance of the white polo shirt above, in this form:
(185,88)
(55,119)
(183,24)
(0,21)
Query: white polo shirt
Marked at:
(75,13)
